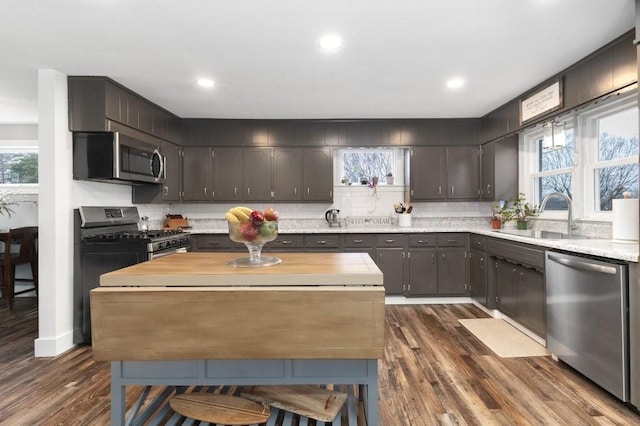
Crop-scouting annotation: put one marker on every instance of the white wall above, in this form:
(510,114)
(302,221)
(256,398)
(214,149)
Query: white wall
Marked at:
(58,195)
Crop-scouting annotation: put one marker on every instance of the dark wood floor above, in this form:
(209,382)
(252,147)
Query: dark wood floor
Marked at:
(434,373)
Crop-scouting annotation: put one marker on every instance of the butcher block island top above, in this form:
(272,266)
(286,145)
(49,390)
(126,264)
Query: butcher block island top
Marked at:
(194,306)
(211,269)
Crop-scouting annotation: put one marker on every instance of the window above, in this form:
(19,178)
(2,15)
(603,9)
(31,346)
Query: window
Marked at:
(359,164)
(595,161)
(615,166)
(555,165)
(18,165)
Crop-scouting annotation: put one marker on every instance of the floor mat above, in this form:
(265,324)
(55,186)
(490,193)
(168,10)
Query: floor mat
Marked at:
(503,339)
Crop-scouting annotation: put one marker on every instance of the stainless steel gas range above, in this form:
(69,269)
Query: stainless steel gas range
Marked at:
(106,239)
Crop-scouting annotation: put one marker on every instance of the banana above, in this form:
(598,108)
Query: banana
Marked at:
(230,217)
(239,214)
(245,210)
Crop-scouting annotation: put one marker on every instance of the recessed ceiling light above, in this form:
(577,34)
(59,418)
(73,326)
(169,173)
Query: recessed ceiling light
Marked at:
(455,83)
(330,42)
(205,82)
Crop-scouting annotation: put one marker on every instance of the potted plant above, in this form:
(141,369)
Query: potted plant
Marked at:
(389,178)
(496,216)
(522,211)
(6,203)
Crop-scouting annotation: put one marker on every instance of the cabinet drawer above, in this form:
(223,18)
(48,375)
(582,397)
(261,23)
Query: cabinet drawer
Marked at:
(212,242)
(523,254)
(287,241)
(423,240)
(478,242)
(391,240)
(359,240)
(452,240)
(322,241)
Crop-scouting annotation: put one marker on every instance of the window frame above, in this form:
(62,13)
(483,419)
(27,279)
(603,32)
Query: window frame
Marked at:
(592,164)
(395,160)
(16,146)
(585,153)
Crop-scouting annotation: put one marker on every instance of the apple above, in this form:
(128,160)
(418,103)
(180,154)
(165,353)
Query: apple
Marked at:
(249,232)
(256,218)
(268,229)
(270,214)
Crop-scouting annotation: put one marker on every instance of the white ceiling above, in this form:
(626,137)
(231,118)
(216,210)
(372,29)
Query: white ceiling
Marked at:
(263,55)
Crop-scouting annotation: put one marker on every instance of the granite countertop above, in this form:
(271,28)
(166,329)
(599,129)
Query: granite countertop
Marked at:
(595,246)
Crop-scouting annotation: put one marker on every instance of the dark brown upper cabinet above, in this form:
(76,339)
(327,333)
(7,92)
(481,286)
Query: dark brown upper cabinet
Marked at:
(499,169)
(428,173)
(318,174)
(95,101)
(287,174)
(197,180)
(257,170)
(444,173)
(366,133)
(463,171)
(227,174)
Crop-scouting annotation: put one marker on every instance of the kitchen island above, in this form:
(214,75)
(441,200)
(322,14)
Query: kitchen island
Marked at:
(190,319)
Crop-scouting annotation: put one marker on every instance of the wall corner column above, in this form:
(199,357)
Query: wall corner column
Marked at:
(55,242)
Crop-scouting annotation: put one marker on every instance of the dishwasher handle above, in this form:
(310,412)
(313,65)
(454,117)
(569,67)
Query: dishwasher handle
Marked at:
(585,266)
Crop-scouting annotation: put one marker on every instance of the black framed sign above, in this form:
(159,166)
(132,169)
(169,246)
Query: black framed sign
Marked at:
(541,102)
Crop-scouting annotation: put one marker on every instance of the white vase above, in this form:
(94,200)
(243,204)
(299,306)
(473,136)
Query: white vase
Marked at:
(509,225)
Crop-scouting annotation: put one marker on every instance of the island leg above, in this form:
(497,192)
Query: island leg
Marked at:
(117,395)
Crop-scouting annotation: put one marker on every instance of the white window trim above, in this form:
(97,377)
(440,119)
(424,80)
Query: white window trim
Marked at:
(398,156)
(528,174)
(585,154)
(590,136)
(24,145)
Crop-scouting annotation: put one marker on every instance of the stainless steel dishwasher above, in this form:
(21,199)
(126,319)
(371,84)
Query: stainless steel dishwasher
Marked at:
(588,318)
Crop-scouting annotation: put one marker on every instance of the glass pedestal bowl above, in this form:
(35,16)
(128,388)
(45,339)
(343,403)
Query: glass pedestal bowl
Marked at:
(254,237)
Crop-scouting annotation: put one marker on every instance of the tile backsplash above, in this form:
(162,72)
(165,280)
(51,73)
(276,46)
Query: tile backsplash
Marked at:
(360,201)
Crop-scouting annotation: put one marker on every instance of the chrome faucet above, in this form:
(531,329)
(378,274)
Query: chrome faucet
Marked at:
(570,225)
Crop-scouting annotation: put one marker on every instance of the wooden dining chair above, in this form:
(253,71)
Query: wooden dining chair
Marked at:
(20,247)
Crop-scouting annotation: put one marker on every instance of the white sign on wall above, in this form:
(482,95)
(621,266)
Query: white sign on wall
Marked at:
(541,102)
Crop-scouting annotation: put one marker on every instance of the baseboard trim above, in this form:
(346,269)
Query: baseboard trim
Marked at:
(401,300)
(48,347)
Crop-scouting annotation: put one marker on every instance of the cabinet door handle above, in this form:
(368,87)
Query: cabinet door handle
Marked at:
(286,242)
(205,190)
(453,190)
(166,190)
(295,190)
(358,241)
(235,192)
(248,191)
(321,242)
(440,190)
(452,241)
(488,189)
(389,241)
(308,190)
(423,241)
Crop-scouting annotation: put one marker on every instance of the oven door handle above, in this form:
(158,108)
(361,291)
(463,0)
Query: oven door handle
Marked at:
(167,253)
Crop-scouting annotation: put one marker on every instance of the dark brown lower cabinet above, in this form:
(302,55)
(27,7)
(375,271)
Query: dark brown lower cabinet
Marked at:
(506,285)
(390,260)
(478,276)
(452,271)
(423,272)
(521,295)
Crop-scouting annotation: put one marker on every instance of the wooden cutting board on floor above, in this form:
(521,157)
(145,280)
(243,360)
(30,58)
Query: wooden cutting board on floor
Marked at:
(310,401)
(217,408)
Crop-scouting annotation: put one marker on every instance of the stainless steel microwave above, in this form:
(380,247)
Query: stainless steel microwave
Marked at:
(117,158)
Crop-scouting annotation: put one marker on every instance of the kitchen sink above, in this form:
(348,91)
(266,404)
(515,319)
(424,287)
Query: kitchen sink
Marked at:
(547,235)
